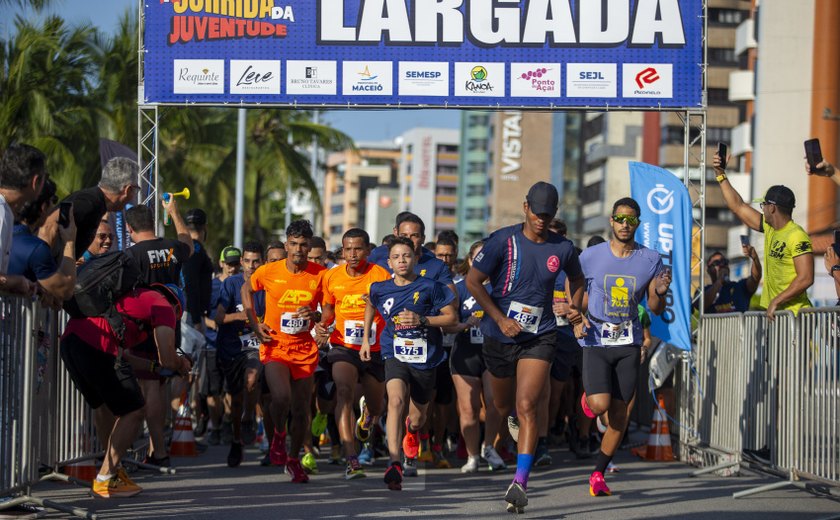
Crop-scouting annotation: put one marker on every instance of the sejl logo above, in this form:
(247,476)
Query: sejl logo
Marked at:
(254,76)
(374,78)
(535,79)
(419,78)
(591,80)
(485,80)
(198,77)
(647,80)
(314,78)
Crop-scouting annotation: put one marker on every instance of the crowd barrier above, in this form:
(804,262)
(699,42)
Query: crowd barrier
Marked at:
(765,392)
(45,422)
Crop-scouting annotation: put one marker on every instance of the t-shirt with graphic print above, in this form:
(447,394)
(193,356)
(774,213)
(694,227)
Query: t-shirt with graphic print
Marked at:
(616,286)
(237,336)
(420,346)
(781,246)
(467,307)
(161,259)
(522,274)
(347,293)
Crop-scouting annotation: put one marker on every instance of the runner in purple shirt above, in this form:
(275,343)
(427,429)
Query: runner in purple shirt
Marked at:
(522,263)
(619,274)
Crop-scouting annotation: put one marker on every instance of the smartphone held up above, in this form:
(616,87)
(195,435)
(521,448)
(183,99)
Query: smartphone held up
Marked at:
(813,154)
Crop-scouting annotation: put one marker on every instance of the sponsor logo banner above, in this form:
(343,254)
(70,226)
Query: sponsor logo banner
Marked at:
(313,78)
(367,78)
(199,77)
(479,79)
(591,80)
(647,80)
(419,78)
(535,80)
(254,76)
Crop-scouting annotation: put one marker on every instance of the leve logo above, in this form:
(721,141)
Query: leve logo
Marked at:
(646,77)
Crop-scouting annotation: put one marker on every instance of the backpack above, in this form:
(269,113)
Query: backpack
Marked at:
(100,282)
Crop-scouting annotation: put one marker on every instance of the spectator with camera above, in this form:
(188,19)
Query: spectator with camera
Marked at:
(724,295)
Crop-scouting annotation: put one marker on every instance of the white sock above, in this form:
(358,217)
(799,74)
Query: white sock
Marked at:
(104,478)
(473,458)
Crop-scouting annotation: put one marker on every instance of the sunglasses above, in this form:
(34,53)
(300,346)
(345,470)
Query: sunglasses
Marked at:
(630,219)
(719,263)
(766,203)
(103,236)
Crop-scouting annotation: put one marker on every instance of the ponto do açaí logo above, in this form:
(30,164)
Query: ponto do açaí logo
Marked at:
(660,200)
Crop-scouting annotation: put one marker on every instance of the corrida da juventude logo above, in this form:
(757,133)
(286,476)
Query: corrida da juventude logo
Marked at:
(230,20)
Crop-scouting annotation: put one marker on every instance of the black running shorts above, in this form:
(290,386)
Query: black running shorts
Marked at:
(100,379)
(374,367)
(611,370)
(444,387)
(235,369)
(501,358)
(421,383)
(467,359)
(565,358)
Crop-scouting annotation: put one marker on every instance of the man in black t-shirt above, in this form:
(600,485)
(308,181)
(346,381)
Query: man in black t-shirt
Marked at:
(117,187)
(198,270)
(160,261)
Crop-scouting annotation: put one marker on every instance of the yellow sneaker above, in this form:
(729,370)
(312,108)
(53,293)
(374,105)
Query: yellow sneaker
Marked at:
(114,488)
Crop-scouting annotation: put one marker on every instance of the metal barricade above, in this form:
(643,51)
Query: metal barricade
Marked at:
(28,366)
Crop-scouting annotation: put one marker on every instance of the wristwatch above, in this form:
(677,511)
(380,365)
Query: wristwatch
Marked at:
(834,268)
(721,177)
(424,321)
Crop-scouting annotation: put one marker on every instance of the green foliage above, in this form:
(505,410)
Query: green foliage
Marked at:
(63,88)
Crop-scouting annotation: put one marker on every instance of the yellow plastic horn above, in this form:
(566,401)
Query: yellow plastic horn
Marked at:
(166,196)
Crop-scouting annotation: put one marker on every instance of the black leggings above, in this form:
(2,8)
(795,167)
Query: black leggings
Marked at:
(611,370)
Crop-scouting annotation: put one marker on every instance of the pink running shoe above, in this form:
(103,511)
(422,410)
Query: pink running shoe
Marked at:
(277,453)
(585,407)
(597,486)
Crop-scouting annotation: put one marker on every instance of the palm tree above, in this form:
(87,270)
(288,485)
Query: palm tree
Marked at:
(35,4)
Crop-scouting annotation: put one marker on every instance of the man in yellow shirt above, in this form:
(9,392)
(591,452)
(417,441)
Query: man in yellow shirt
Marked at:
(788,255)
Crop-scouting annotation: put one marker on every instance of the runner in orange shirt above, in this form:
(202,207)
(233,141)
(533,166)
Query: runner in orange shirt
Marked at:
(345,290)
(293,290)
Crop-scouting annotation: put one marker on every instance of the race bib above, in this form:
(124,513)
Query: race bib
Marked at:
(562,321)
(354,332)
(476,337)
(617,334)
(410,350)
(528,316)
(290,325)
(249,341)
(560,297)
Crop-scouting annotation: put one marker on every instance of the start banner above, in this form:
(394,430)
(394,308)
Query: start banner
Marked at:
(597,54)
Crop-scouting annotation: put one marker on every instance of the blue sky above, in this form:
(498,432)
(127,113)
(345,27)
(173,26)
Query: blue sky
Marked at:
(361,125)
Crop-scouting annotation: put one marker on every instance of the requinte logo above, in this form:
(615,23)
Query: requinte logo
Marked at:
(660,200)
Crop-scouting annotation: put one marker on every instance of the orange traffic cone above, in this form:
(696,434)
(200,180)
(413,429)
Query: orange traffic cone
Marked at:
(183,439)
(659,441)
(83,470)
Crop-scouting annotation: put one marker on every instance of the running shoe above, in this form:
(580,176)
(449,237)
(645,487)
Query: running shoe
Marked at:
(581,448)
(612,468)
(425,451)
(494,460)
(114,487)
(264,445)
(410,467)
(585,407)
(516,497)
(266,460)
(471,466)
(123,476)
(215,437)
(319,425)
(410,443)
(602,428)
(513,427)
(354,470)
(541,456)
(249,433)
(452,443)
(439,457)
(366,456)
(365,421)
(310,465)
(394,476)
(597,486)
(234,457)
(335,455)
(277,453)
(295,470)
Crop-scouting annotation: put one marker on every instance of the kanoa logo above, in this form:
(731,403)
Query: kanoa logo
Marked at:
(647,77)
(478,73)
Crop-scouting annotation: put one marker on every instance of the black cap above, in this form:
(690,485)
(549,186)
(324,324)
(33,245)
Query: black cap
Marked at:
(779,195)
(543,198)
(231,255)
(196,217)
